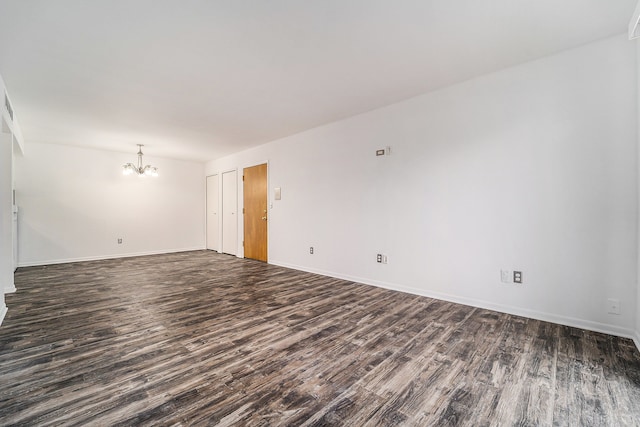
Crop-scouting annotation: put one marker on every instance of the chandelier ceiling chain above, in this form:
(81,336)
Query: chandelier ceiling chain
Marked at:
(147,170)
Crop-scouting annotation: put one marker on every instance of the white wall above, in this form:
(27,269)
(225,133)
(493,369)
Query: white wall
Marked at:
(637,331)
(6,243)
(10,144)
(74,204)
(532,168)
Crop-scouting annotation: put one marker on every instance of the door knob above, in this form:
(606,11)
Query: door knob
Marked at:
(264,218)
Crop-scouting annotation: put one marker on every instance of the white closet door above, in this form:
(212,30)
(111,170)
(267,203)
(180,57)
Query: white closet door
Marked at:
(213,224)
(230,212)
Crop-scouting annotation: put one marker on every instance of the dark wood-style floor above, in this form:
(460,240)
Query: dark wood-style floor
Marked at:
(199,338)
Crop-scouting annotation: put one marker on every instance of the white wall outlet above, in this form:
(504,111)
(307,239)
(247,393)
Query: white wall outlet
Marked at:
(613,306)
(311,250)
(505,276)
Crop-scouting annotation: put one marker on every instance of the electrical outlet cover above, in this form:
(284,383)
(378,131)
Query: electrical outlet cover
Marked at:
(613,306)
(517,277)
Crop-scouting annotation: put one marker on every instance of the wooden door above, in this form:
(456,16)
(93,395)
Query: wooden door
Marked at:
(213,225)
(255,212)
(229,212)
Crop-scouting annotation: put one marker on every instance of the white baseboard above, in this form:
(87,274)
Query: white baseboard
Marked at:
(516,311)
(3,312)
(101,257)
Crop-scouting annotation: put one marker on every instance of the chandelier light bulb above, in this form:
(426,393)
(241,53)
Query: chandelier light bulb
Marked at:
(128,169)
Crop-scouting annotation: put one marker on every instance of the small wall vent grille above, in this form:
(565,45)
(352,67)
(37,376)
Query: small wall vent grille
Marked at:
(8,105)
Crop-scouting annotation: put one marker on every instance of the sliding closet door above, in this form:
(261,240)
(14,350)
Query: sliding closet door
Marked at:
(230,212)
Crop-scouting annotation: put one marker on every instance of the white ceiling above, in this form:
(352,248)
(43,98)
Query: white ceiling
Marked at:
(199,79)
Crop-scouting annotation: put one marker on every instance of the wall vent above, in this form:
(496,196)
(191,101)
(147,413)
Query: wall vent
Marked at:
(8,105)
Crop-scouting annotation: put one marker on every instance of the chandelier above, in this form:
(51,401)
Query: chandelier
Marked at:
(130,168)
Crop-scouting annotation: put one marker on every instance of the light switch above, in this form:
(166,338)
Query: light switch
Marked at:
(277,194)
(505,276)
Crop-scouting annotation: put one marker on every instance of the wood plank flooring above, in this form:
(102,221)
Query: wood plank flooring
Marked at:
(198,338)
